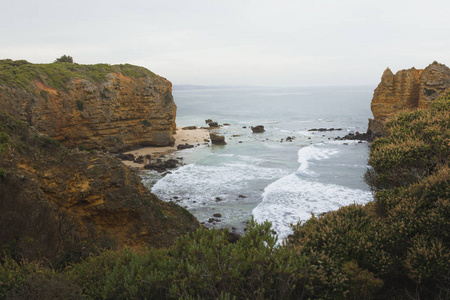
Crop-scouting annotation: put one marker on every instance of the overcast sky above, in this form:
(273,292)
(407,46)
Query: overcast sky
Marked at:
(237,42)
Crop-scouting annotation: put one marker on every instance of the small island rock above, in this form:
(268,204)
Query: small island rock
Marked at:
(217,139)
(258,129)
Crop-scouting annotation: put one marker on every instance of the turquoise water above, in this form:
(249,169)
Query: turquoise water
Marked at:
(283,182)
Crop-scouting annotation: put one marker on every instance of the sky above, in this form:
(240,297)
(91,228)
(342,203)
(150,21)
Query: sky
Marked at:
(234,42)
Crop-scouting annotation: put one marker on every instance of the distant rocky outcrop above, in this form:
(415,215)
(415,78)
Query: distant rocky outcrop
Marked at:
(407,89)
(105,107)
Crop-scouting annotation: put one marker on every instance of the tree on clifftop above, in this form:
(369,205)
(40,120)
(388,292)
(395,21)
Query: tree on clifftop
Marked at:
(64,58)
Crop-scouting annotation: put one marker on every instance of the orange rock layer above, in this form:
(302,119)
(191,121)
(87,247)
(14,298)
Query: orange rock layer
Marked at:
(118,113)
(407,89)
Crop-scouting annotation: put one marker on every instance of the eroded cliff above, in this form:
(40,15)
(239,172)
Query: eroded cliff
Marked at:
(407,89)
(99,106)
(52,197)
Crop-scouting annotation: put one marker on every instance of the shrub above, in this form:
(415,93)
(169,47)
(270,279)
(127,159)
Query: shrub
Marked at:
(47,285)
(13,274)
(416,147)
(80,105)
(5,142)
(146,123)
(203,264)
(64,59)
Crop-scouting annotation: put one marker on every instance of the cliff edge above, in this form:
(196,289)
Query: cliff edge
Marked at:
(407,89)
(52,198)
(105,107)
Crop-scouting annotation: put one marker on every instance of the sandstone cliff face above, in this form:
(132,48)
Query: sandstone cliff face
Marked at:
(407,89)
(87,195)
(104,107)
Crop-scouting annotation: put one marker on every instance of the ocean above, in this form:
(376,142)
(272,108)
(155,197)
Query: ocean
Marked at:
(265,174)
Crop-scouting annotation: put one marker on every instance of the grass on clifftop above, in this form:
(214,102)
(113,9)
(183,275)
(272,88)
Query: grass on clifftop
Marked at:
(21,73)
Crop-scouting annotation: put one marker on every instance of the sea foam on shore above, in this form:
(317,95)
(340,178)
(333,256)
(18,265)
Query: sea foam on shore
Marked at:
(297,196)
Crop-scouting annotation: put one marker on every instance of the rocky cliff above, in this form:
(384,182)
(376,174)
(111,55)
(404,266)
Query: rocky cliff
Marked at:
(407,89)
(99,106)
(51,197)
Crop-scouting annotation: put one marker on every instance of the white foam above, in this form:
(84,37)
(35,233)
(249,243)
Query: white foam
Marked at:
(313,152)
(202,183)
(292,199)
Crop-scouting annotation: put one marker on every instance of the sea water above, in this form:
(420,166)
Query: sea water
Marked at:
(263,174)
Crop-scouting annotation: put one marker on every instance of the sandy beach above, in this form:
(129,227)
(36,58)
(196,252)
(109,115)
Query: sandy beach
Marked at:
(194,137)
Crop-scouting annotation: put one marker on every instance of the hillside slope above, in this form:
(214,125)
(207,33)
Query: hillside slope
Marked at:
(53,197)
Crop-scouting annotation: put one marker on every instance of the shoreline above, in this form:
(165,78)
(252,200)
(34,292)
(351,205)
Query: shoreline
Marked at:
(196,137)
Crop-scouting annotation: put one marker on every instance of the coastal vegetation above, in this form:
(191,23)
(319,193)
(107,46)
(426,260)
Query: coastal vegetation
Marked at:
(396,247)
(22,74)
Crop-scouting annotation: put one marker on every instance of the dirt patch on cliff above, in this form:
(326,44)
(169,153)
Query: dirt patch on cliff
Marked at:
(46,88)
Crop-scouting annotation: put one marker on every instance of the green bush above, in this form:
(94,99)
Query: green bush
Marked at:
(204,264)
(13,274)
(64,59)
(417,145)
(5,142)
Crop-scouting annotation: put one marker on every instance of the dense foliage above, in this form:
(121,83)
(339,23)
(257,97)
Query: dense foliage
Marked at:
(403,237)
(397,247)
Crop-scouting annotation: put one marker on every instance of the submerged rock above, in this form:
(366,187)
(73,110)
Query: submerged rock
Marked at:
(184,146)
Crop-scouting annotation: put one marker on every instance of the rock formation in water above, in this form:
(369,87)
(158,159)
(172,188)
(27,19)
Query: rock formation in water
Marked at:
(99,106)
(407,89)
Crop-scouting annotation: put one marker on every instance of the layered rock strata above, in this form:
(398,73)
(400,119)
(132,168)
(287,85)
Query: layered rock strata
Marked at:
(407,89)
(101,106)
(92,191)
